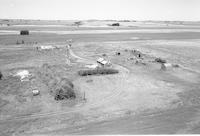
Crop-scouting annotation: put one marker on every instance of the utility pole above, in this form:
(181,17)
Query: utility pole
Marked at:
(84,96)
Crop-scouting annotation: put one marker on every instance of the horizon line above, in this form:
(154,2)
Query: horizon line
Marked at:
(100,20)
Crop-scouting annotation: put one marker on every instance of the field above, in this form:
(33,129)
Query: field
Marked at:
(141,99)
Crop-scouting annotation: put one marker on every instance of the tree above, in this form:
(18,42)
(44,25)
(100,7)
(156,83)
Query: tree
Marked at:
(78,23)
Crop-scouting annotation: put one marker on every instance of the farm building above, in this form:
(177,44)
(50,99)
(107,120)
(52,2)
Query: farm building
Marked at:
(115,24)
(103,62)
(24,32)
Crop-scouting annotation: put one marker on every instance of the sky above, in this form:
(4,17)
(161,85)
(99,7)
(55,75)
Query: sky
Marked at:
(186,10)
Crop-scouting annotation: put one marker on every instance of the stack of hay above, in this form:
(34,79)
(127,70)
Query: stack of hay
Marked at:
(65,90)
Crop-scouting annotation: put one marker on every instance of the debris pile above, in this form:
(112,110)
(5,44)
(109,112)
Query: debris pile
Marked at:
(23,74)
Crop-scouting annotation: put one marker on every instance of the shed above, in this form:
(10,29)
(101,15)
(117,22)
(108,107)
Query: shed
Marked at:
(103,62)
(24,32)
(115,24)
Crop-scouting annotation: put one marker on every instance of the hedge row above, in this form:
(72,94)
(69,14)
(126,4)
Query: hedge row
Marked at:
(102,71)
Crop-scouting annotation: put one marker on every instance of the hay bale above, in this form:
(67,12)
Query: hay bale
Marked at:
(24,32)
(64,90)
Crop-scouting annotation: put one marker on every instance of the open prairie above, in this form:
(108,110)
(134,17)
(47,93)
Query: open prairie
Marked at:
(146,96)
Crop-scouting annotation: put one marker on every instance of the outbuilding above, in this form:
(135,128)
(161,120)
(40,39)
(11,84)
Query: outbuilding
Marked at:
(24,32)
(103,62)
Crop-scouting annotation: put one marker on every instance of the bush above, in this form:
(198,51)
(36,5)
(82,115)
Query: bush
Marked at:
(102,71)
(24,32)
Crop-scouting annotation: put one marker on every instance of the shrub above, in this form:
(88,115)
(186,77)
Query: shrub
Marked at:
(24,32)
(102,71)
